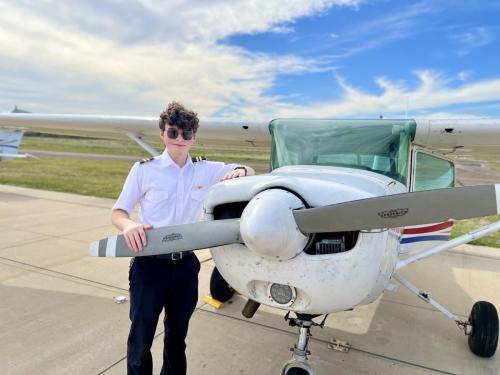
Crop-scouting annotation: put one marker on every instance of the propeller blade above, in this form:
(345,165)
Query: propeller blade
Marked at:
(401,210)
(172,239)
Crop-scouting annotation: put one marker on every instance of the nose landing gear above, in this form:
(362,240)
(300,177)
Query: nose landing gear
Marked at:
(299,364)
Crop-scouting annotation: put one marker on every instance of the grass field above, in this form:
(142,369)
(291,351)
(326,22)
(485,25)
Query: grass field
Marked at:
(103,145)
(104,178)
(118,144)
(100,178)
(464,226)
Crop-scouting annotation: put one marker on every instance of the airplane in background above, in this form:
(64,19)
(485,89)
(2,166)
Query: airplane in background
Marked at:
(346,206)
(10,140)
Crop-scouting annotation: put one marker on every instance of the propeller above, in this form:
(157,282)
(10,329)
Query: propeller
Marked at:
(172,239)
(268,225)
(400,210)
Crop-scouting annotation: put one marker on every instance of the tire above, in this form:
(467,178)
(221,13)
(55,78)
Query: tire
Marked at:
(219,288)
(484,320)
(296,371)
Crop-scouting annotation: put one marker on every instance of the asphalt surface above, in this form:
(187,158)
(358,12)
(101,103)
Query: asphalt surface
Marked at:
(58,313)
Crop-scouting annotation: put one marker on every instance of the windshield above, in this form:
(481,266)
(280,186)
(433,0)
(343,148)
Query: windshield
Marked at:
(380,146)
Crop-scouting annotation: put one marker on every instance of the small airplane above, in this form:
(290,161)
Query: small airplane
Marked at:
(346,206)
(10,140)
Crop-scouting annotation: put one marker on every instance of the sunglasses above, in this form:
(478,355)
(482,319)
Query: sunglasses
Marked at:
(173,133)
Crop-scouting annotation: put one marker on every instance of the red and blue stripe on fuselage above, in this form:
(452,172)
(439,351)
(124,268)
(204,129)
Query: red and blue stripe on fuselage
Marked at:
(432,232)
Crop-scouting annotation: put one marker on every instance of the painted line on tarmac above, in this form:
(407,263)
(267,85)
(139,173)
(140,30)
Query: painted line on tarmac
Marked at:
(58,273)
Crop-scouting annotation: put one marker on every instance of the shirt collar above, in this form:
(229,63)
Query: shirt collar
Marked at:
(167,161)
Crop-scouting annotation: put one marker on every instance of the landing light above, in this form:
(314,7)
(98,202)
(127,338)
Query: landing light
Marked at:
(280,294)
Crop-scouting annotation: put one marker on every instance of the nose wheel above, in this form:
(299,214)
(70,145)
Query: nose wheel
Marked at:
(297,371)
(299,364)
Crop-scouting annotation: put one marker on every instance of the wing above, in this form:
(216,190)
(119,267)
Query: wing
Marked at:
(469,139)
(466,139)
(250,131)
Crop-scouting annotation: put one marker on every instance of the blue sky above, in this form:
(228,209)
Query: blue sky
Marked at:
(255,59)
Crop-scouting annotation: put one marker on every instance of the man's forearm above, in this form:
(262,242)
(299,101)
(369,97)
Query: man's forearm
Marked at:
(121,219)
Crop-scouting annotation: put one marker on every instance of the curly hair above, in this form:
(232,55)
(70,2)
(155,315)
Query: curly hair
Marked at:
(177,115)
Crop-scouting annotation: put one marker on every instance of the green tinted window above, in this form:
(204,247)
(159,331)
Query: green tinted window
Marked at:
(380,146)
(433,173)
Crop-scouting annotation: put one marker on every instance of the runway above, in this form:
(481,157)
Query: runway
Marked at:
(58,313)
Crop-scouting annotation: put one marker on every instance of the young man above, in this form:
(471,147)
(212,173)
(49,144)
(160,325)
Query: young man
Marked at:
(170,190)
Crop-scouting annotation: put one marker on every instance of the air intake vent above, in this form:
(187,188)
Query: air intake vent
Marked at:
(330,246)
(331,243)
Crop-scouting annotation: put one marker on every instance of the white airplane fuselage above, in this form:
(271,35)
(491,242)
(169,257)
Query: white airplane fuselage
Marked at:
(321,283)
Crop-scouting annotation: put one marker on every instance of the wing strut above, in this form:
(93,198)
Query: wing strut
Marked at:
(425,296)
(143,144)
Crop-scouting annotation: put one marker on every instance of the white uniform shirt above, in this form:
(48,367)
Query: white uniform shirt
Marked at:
(168,194)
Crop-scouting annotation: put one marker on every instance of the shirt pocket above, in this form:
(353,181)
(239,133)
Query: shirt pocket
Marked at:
(156,196)
(156,206)
(199,194)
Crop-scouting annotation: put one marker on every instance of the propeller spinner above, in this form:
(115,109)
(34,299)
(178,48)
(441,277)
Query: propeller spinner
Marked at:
(268,227)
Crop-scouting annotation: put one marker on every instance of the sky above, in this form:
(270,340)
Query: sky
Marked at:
(252,59)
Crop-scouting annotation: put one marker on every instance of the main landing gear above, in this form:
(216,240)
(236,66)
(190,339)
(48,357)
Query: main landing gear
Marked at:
(483,321)
(299,365)
(481,327)
(219,288)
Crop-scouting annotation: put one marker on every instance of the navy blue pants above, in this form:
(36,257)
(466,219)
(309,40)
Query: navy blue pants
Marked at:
(157,284)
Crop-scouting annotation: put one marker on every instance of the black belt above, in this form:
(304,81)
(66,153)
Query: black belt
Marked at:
(172,256)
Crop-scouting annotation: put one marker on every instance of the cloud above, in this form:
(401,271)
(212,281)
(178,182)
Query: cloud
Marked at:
(473,38)
(133,57)
(465,75)
(379,31)
(282,29)
(210,21)
(432,93)
(136,65)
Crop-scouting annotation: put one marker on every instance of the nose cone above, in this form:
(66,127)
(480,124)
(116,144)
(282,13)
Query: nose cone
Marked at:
(268,227)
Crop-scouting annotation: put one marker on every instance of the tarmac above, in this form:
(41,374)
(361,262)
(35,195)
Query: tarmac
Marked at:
(58,310)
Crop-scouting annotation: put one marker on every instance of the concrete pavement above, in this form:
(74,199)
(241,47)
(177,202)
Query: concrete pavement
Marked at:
(58,314)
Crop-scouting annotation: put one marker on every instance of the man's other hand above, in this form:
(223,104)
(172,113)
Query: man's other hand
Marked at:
(242,171)
(135,235)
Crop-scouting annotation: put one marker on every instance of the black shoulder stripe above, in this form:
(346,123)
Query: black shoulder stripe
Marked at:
(196,159)
(146,160)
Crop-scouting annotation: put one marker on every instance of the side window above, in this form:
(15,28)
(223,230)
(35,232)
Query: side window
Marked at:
(433,173)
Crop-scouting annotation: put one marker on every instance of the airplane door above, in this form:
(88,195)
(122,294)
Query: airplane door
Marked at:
(429,171)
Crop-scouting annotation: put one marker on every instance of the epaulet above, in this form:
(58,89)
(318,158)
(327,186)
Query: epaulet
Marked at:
(196,159)
(146,160)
